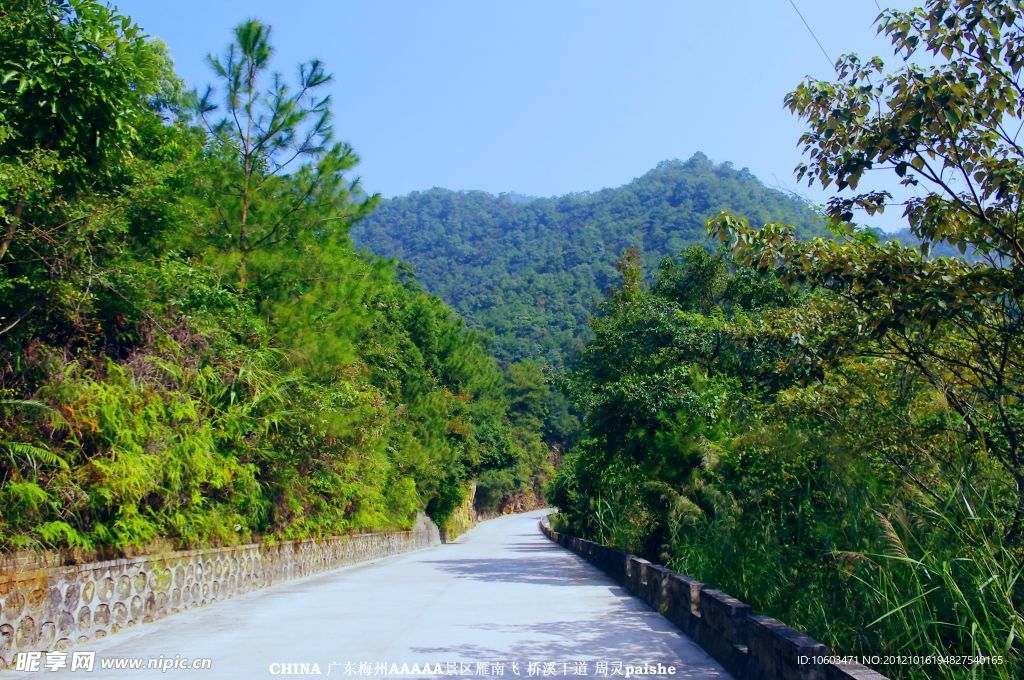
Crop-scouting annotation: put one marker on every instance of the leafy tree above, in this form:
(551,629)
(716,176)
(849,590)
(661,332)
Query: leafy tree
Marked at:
(81,93)
(81,78)
(949,131)
(656,385)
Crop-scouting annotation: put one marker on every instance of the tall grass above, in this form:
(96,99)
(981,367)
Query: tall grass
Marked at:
(945,583)
(937,580)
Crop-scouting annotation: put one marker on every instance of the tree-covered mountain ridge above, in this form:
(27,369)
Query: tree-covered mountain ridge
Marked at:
(528,270)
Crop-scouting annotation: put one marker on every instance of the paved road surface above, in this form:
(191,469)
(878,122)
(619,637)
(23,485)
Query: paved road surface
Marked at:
(502,593)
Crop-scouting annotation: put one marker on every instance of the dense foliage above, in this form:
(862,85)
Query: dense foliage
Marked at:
(530,271)
(190,347)
(831,429)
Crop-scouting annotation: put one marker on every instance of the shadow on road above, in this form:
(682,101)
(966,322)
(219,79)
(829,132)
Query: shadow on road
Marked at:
(552,571)
(530,547)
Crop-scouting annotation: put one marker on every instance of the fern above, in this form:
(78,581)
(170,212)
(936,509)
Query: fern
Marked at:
(34,455)
(26,494)
(59,533)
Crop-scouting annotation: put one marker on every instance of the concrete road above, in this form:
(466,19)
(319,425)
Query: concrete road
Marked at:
(500,601)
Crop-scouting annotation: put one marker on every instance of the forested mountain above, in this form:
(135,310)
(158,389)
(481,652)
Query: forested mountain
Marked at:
(530,270)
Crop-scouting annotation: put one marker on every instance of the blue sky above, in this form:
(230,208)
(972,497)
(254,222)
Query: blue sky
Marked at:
(542,97)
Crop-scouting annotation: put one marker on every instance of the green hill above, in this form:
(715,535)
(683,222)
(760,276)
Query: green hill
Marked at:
(528,270)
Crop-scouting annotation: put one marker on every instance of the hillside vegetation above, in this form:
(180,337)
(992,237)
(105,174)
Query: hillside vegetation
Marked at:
(832,429)
(190,347)
(530,272)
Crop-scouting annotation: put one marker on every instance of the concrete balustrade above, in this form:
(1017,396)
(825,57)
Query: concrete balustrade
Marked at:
(48,607)
(750,647)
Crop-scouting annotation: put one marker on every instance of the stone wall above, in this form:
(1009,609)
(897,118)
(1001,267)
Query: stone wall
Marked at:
(45,607)
(750,647)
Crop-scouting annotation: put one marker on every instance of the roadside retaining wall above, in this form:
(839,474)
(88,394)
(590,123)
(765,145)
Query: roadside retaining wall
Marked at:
(45,608)
(750,647)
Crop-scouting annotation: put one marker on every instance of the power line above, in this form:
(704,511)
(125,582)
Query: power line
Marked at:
(810,30)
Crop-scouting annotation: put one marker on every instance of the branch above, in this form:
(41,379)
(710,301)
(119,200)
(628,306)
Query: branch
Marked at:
(14,323)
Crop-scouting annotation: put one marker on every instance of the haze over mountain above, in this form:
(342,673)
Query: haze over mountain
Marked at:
(528,271)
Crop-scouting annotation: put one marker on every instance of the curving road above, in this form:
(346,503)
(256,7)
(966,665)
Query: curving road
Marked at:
(500,595)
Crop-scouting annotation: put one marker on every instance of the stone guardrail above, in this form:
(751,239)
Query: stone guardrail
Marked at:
(750,647)
(51,608)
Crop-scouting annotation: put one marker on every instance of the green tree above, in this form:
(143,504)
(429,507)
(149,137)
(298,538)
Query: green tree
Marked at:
(949,131)
(81,98)
(263,131)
